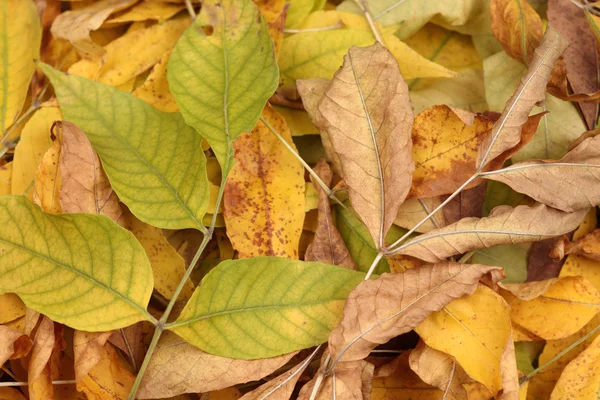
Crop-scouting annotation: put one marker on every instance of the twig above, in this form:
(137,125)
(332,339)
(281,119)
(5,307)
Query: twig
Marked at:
(190,9)
(363,6)
(8,384)
(323,28)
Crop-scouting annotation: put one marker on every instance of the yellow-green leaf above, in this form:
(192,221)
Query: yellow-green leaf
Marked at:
(50,262)
(222,82)
(265,306)
(153,160)
(20,37)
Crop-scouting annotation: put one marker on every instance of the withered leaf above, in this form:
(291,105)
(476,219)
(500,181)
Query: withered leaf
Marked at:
(367,113)
(504,225)
(328,245)
(87,349)
(13,344)
(349,381)
(506,132)
(568,184)
(393,304)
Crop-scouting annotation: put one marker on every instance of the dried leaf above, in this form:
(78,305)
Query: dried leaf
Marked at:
(11,308)
(568,303)
(327,246)
(13,344)
(38,377)
(349,381)
(87,351)
(517,26)
(504,225)
(366,112)
(413,211)
(506,132)
(393,304)
(546,180)
(264,194)
(108,379)
(7,393)
(85,186)
(178,367)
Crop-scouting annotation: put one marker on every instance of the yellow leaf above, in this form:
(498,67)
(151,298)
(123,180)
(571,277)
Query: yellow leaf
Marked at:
(76,25)
(21,32)
(230,393)
(264,194)
(39,373)
(6,178)
(48,180)
(35,141)
(108,379)
(447,48)
(132,53)
(396,381)
(298,121)
(7,393)
(412,211)
(145,10)
(275,13)
(462,330)
(11,308)
(555,308)
(87,351)
(168,266)
(581,377)
(155,90)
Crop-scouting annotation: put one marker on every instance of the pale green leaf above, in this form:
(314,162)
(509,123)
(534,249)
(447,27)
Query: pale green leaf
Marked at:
(512,257)
(222,82)
(556,130)
(154,161)
(265,306)
(82,270)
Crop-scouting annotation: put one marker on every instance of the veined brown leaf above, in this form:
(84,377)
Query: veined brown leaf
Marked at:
(504,225)
(13,343)
(393,304)
(177,367)
(367,113)
(568,184)
(350,381)
(506,132)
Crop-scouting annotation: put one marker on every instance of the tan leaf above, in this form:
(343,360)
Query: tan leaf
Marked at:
(349,381)
(393,304)
(588,246)
(328,245)
(504,225)
(517,27)
(506,132)
(510,375)
(108,379)
(177,367)
(555,308)
(87,351)
(85,186)
(568,184)
(76,25)
(13,344)
(130,341)
(438,369)
(39,378)
(367,113)
(413,211)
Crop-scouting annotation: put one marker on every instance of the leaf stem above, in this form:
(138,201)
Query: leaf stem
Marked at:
(8,384)
(374,264)
(363,6)
(160,326)
(312,173)
(190,9)
(559,355)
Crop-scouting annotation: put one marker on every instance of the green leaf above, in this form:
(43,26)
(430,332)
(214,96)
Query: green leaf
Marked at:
(82,270)
(154,161)
(265,306)
(222,82)
(512,257)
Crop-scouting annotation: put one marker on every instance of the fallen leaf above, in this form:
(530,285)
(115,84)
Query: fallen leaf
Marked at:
(108,379)
(155,90)
(14,344)
(38,377)
(7,393)
(438,369)
(178,367)
(239,73)
(85,186)
(275,13)
(465,323)
(413,211)
(568,303)
(76,25)
(66,256)
(48,180)
(328,245)
(582,64)
(11,307)
(349,381)
(506,132)
(264,194)
(545,180)
(468,203)
(369,98)
(540,266)
(581,377)
(505,225)
(166,200)
(303,303)
(393,304)
(511,257)
(145,10)
(87,351)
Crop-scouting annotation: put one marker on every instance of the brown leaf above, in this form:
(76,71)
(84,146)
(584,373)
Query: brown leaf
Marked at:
(468,203)
(506,132)
(349,381)
(85,186)
(108,379)
(328,245)
(504,225)
(580,58)
(540,265)
(588,246)
(568,184)
(39,378)
(438,369)
(177,367)
(412,211)
(367,113)
(13,344)
(393,304)
(87,351)
(130,341)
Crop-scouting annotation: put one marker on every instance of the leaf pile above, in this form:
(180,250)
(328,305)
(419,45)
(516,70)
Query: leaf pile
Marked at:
(359,199)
